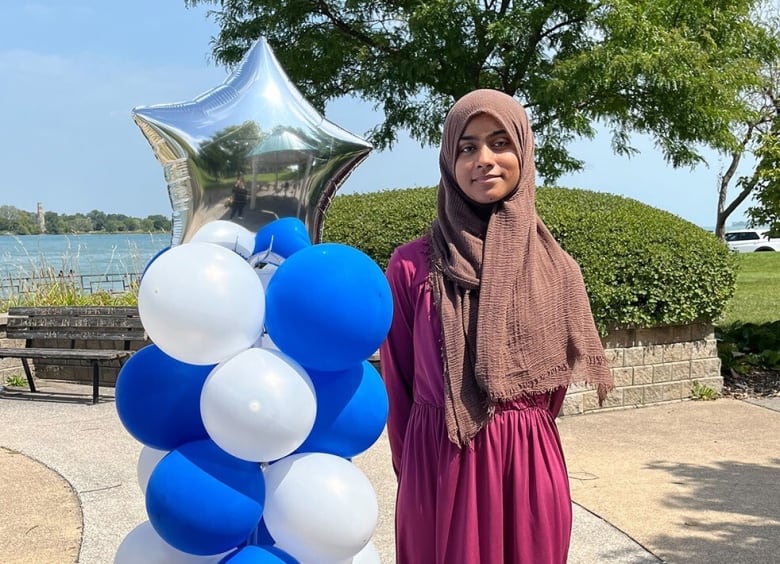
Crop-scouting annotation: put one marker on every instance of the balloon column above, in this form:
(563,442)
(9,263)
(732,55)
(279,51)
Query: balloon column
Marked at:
(248,442)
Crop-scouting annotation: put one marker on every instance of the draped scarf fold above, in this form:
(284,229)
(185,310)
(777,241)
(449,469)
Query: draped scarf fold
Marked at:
(515,314)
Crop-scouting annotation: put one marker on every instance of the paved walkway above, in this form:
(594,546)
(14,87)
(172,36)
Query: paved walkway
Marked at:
(686,482)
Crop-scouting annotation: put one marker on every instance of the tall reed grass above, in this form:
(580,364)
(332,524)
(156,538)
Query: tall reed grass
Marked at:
(35,282)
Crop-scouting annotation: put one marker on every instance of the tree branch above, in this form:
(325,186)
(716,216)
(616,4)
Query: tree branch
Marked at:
(345,27)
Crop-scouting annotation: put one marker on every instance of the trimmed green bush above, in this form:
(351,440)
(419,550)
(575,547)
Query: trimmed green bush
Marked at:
(643,267)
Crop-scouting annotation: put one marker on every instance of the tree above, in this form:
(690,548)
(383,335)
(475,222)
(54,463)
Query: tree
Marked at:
(757,136)
(54,223)
(669,68)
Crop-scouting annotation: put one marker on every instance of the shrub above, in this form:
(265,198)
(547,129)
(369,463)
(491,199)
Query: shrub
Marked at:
(378,222)
(643,267)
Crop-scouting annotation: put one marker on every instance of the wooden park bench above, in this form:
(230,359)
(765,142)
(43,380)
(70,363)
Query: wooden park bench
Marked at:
(64,334)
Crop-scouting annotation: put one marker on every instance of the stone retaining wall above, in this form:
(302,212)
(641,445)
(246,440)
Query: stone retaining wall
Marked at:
(650,366)
(653,366)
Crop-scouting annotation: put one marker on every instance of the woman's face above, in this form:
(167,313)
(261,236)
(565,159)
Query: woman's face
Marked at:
(487,167)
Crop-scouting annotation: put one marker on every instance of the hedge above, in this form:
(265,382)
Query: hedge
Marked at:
(643,267)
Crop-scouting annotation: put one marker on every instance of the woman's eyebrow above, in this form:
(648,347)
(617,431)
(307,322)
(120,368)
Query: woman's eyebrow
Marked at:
(474,137)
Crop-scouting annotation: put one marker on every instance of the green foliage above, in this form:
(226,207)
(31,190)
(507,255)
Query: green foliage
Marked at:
(766,193)
(743,347)
(20,222)
(671,68)
(15,381)
(378,222)
(63,292)
(643,267)
(702,392)
(43,286)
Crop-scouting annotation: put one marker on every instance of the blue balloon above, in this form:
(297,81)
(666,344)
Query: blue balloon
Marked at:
(258,555)
(201,500)
(328,306)
(261,534)
(351,411)
(283,237)
(158,399)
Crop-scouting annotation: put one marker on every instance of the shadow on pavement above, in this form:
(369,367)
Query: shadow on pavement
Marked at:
(734,507)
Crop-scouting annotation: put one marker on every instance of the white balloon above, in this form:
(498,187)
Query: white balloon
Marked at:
(369,555)
(147,462)
(227,234)
(319,507)
(259,405)
(143,545)
(201,303)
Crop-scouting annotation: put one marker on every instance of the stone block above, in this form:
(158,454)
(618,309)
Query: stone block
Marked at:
(672,371)
(623,376)
(643,375)
(705,368)
(680,370)
(654,354)
(675,352)
(634,356)
(669,391)
(633,396)
(590,401)
(572,404)
(704,349)
(614,357)
(662,373)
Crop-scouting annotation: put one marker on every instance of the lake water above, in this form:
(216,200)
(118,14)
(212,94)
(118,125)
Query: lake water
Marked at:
(85,256)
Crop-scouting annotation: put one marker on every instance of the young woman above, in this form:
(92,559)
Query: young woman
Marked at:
(491,324)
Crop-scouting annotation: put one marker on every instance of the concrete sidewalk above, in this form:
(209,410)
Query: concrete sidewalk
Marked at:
(692,482)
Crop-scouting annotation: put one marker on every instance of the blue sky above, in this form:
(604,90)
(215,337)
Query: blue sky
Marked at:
(70,73)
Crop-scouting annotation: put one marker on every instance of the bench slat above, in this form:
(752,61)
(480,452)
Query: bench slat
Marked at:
(74,310)
(58,334)
(64,354)
(76,321)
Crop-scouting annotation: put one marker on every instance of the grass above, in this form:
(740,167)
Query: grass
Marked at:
(749,332)
(757,297)
(52,291)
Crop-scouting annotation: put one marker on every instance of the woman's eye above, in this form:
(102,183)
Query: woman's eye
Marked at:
(466,148)
(501,143)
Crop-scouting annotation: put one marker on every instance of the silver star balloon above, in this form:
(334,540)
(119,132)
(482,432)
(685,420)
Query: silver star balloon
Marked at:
(249,151)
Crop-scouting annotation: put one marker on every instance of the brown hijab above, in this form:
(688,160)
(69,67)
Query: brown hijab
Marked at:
(515,315)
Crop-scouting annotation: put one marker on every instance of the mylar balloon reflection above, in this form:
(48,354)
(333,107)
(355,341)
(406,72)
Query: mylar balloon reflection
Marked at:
(256,127)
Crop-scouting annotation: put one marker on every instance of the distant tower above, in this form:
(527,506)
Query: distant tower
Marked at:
(41,218)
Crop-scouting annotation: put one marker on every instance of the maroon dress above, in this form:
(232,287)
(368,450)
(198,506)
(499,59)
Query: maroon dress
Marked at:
(503,500)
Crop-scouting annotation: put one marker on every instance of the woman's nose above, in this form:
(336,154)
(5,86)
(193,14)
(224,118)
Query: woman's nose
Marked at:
(485,156)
